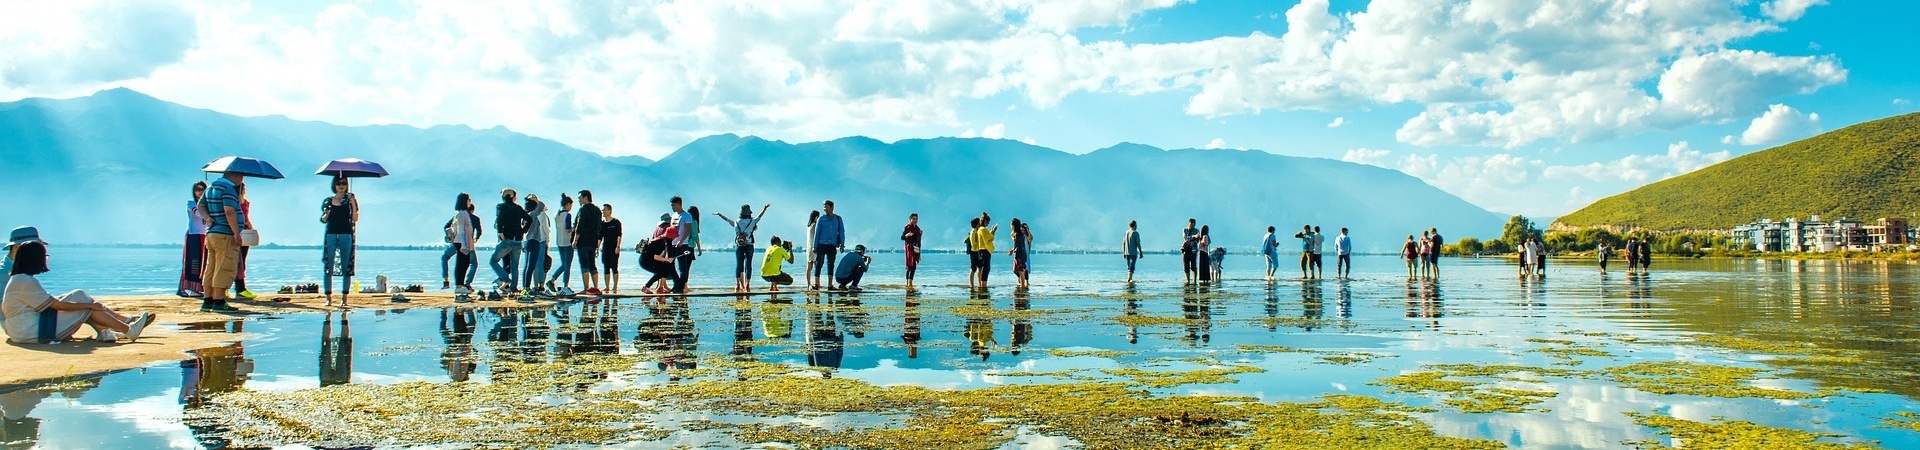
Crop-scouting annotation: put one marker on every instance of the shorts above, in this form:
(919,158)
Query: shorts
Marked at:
(782,278)
(610,260)
(585,254)
(1273,261)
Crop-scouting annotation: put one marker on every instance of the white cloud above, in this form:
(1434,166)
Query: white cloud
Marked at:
(63,44)
(1216,143)
(1638,169)
(1788,10)
(646,78)
(1366,156)
(1901,102)
(1337,122)
(995,131)
(1778,124)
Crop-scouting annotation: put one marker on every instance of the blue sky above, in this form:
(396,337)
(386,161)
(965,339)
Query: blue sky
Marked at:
(1521,106)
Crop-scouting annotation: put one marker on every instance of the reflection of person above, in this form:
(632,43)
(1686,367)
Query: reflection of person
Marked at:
(911,335)
(742,328)
(457,358)
(826,345)
(213,371)
(336,352)
(979,330)
(21,430)
(852,268)
(35,316)
(195,247)
(1022,327)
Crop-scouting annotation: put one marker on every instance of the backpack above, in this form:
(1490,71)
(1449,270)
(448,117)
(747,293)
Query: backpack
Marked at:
(449,230)
(743,236)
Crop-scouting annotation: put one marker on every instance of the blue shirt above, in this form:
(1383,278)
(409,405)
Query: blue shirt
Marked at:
(220,195)
(1342,245)
(829,231)
(850,264)
(1269,246)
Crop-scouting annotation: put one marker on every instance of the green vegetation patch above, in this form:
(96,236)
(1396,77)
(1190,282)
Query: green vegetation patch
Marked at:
(1685,378)
(1730,434)
(1067,353)
(1908,420)
(1468,396)
(1167,379)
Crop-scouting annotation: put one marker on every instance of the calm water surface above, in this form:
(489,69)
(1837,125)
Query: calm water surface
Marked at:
(1479,312)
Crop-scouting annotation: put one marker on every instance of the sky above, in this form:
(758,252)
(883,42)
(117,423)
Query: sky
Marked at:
(1533,107)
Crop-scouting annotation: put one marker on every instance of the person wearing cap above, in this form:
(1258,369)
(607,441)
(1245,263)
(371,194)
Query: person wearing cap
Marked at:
(851,267)
(35,316)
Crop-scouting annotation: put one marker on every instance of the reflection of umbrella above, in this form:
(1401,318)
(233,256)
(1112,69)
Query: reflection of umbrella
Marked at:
(244,166)
(352,168)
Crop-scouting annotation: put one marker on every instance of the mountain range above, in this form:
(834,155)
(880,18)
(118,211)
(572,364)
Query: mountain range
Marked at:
(116,166)
(1865,171)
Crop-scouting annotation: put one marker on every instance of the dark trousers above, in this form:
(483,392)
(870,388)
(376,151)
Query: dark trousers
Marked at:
(461,264)
(660,271)
(823,257)
(1343,263)
(1186,261)
(852,281)
(685,264)
(986,265)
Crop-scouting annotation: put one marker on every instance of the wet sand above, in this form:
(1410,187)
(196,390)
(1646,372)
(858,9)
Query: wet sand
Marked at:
(181,328)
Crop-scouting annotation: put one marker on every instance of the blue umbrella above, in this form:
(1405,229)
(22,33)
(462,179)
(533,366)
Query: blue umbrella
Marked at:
(244,166)
(352,168)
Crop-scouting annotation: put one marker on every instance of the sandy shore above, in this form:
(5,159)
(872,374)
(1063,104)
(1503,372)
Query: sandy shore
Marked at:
(181,328)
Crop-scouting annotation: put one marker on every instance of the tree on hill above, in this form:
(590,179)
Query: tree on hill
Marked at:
(1518,230)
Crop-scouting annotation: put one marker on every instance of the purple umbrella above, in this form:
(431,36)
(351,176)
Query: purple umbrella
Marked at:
(352,168)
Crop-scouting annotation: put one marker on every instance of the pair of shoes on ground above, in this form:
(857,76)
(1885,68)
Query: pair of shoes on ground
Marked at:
(592,291)
(134,328)
(218,307)
(462,298)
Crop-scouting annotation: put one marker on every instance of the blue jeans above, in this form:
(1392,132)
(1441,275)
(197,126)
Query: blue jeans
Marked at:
(507,252)
(824,258)
(742,260)
(536,264)
(565,272)
(336,259)
(445,256)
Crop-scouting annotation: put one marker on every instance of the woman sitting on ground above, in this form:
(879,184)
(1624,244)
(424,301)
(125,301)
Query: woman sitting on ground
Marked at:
(34,316)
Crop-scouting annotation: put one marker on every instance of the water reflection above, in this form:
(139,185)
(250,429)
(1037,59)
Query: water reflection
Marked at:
(979,331)
(1196,310)
(212,371)
(1022,326)
(910,326)
(1424,302)
(826,344)
(668,334)
(336,352)
(1312,308)
(21,430)
(457,355)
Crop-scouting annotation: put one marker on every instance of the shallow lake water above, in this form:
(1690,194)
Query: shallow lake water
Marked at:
(1843,334)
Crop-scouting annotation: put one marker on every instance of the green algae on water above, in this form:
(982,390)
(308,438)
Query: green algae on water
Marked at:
(1730,434)
(1686,378)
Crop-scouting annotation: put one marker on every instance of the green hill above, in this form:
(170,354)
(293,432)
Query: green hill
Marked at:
(1864,171)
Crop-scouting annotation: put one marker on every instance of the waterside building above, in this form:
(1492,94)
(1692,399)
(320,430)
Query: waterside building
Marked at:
(1815,235)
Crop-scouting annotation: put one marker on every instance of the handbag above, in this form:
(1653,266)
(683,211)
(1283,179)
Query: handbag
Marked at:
(249,237)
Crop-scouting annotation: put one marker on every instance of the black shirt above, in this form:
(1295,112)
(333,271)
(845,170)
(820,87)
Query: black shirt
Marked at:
(586,228)
(610,236)
(511,221)
(339,217)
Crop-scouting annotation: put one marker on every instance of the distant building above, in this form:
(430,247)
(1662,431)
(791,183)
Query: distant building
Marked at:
(1816,236)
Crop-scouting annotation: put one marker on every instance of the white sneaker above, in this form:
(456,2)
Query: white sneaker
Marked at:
(109,336)
(137,326)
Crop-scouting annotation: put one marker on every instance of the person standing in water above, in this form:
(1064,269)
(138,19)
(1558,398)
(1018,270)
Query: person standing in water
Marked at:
(586,242)
(538,235)
(743,230)
(1130,248)
(1439,244)
(1319,247)
(973,252)
(1270,248)
(813,229)
(1306,250)
(1188,250)
(340,212)
(1604,253)
(1021,242)
(910,239)
(195,248)
(1343,255)
(829,235)
(1203,257)
(1410,251)
(465,233)
(985,241)
(563,230)
(610,240)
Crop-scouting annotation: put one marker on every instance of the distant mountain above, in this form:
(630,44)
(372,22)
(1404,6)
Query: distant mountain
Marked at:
(115,167)
(1864,171)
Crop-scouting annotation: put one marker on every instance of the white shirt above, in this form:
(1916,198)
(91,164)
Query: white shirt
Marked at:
(195,223)
(24,300)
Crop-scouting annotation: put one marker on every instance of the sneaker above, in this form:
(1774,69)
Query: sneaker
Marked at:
(493,296)
(138,325)
(567,292)
(247,295)
(526,298)
(108,336)
(463,290)
(462,298)
(444,284)
(591,291)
